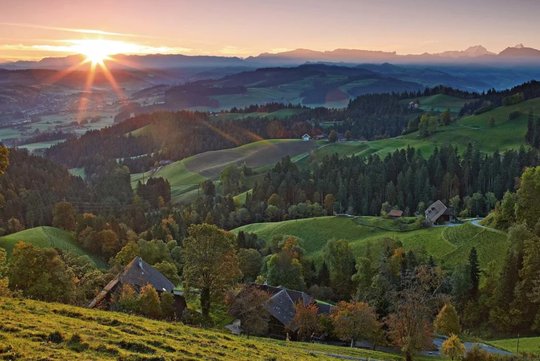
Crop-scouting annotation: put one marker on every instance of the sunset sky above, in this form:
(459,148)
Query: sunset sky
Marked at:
(32,29)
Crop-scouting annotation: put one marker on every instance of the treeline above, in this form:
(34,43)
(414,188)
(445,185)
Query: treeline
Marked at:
(471,183)
(170,135)
(495,98)
(31,186)
(532,137)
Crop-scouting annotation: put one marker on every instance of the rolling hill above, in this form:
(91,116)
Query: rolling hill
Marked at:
(474,129)
(26,325)
(449,245)
(47,237)
(186,175)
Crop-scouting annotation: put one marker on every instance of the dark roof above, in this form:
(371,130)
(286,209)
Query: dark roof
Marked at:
(282,303)
(138,274)
(434,211)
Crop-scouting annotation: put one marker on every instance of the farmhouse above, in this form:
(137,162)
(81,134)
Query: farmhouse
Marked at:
(282,308)
(137,274)
(395,213)
(306,137)
(439,213)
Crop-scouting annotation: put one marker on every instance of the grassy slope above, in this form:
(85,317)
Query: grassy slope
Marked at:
(46,237)
(112,336)
(471,129)
(526,344)
(441,102)
(185,175)
(449,245)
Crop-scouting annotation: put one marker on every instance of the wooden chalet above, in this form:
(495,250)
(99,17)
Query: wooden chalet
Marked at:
(282,308)
(438,213)
(395,213)
(137,274)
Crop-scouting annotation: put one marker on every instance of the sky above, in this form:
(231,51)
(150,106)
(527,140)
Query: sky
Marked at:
(32,29)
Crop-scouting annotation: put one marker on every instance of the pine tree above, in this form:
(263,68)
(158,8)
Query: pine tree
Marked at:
(474,269)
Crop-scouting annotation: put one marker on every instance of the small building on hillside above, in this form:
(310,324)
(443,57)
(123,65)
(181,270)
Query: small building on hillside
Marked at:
(306,137)
(137,274)
(282,308)
(395,213)
(438,213)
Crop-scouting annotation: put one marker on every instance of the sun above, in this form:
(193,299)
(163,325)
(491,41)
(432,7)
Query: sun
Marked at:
(96,51)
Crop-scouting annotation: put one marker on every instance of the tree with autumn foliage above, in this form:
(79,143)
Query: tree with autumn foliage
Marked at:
(410,326)
(4,159)
(247,305)
(211,263)
(453,347)
(447,321)
(353,321)
(149,303)
(306,320)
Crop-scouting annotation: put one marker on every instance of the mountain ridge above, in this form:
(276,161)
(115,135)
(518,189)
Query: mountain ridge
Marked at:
(473,54)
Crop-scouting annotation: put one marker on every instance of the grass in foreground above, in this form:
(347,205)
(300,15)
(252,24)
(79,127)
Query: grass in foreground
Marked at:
(44,237)
(26,326)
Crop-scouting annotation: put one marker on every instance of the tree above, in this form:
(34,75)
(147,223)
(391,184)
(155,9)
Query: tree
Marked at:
(210,262)
(348,135)
(474,269)
(453,347)
(4,281)
(492,122)
(128,300)
(306,320)
(4,159)
(64,216)
(167,306)
(149,304)
(248,306)
(354,321)
(250,263)
(410,326)
(285,267)
(339,257)
(329,201)
(528,197)
(14,225)
(40,273)
(447,321)
(332,137)
(108,242)
(446,117)
(169,270)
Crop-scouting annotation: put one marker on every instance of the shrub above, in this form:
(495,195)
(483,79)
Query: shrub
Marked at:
(55,337)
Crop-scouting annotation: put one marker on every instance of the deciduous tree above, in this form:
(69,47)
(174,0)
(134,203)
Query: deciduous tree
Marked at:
(354,321)
(447,321)
(247,305)
(453,347)
(210,262)
(306,320)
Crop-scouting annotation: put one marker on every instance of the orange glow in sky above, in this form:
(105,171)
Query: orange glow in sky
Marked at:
(32,29)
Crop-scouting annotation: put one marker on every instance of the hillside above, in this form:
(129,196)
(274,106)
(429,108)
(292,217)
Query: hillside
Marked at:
(448,245)
(26,325)
(186,175)
(46,237)
(475,129)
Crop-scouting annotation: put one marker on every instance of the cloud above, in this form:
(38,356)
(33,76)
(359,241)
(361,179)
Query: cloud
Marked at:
(74,30)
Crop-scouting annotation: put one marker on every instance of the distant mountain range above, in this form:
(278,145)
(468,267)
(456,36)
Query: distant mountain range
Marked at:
(473,55)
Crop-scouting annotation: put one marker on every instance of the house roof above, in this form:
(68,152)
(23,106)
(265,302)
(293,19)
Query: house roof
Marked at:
(138,274)
(282,303)
(435,211)
(395,213)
